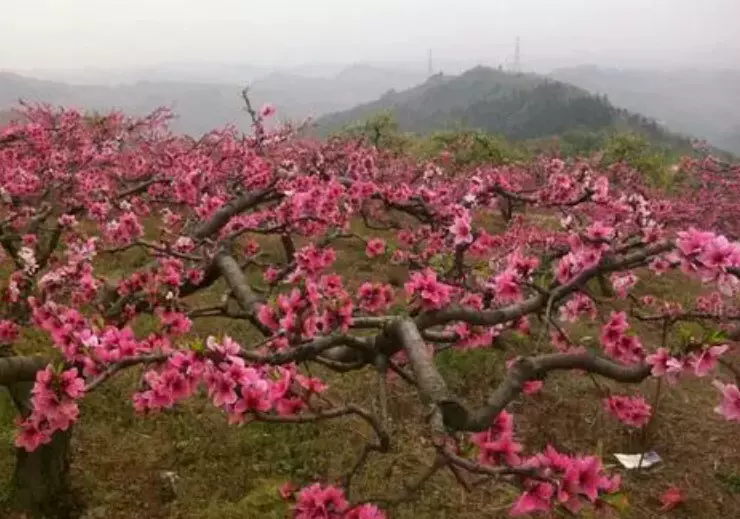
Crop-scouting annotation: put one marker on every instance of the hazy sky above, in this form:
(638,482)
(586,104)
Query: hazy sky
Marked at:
(128,33)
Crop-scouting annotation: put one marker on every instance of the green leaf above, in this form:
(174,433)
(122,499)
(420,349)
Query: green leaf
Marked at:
(197,346)
(617,500)
(717,337)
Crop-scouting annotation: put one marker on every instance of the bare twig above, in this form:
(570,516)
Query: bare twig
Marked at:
(122,364)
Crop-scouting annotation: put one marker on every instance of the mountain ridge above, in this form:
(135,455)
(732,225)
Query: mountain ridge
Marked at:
(700,102)
(202,106)
(517,106)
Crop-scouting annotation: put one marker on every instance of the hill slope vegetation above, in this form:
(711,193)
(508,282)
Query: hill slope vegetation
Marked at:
(703,103)
(518,106)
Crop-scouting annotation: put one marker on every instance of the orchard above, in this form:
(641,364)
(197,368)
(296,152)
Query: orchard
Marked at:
(469,256)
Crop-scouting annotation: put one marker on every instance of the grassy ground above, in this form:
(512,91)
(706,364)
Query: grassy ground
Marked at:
(121,462)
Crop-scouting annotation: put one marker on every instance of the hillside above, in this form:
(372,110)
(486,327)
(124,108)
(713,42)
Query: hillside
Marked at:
(202,106)
(518,106)
(702,103)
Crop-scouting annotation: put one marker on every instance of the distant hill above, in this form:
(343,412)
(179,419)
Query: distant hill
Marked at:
(701,103)
(202,106)
(518,106)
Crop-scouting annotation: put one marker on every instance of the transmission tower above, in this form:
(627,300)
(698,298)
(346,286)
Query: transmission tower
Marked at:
(517,57)
(430,68)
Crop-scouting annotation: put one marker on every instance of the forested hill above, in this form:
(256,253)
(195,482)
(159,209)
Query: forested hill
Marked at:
(518,106)
(701,102)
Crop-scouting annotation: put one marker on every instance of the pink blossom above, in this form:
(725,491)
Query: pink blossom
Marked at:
(632,411)
(660,266)
(267,110)
(337,316)
(597,231)
(375,247)
(717,253)
(582,478)
(374,298)
(506,287)
(461,230)
(311,384)
(31,435)
(430,293)
(692,242)
(9,332)
(601,189)
(538,498)
(522,266)
(579,304)
(251,248)
(707,359)
(622,283)
(366,511)
(222,390)
(318,502)
(662,364)
(730,405)
(176,323)
(267,317)
(472,337)
(271,275)
(71,384)
(311,259)
(529,387)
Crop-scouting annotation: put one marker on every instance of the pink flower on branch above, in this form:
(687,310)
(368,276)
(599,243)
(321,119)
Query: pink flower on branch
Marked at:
(632,411)
(374,298)
(375,248)
(267,110)
(705,361)
(424,288)
(461,229)
(729,407)
(662,364)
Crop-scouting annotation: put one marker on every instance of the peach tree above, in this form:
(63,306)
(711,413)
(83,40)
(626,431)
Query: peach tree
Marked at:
(485,252)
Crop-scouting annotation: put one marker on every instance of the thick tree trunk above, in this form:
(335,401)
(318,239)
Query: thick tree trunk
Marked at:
(41,478)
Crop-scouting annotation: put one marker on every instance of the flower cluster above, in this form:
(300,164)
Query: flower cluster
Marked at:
(53,407)
(426,291)
(232,385)
(496,445)
(567,481)
(618,343)
(709,257)
(632,411)
(577,306)
(564,480)
(318,501)
(313,308)
(375,247)
(374,298)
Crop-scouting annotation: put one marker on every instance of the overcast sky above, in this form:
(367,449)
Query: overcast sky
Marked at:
(131,33)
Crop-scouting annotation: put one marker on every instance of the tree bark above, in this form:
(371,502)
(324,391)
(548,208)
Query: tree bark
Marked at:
(41,477)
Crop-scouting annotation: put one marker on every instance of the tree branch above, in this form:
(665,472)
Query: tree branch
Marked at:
(237,205)
(236,281)
(20,369)
(536,368)
(349,409)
